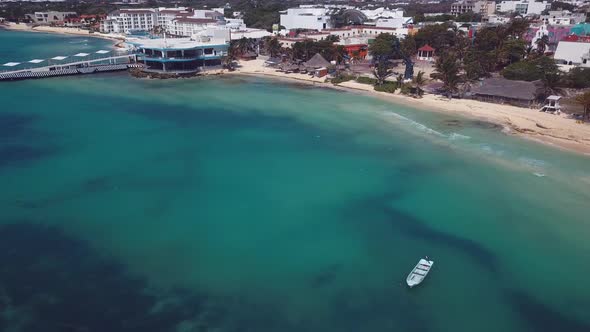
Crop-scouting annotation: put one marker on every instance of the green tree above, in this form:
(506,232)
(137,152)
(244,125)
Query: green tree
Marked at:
(382,71)
(513,50)
(232,53)
(382,47)
(447,69)
(273,47)
(244,45)
(468,17)
(579,78)
(261,14)
(399,80)
(584,100)
(553,83)
(558,5)
(530,69)
(418,82)
(437,35)
(408,46)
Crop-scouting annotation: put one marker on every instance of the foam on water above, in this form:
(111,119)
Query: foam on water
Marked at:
(416,124)
(456,136)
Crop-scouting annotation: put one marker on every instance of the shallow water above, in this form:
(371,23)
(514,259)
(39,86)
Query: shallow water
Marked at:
(272,207)
(19,46)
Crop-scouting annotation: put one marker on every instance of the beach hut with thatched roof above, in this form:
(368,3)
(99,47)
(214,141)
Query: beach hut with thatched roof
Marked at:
(317,61)
(503,91)
(288,67)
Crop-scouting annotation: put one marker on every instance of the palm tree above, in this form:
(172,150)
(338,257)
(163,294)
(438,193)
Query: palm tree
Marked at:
(419,82)
(552,83)
(273,47)
(340,54)
(243,45)
(232,52)
(447,70)
(399,80)
(584,100)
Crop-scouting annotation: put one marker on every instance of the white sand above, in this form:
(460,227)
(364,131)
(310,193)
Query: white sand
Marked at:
(554,130)
(59,30)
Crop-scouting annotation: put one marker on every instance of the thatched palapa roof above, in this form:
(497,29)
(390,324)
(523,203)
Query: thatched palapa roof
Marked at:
(503,88)
(317,61)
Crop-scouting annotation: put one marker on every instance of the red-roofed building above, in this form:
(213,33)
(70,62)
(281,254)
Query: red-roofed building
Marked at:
(426,53)
(357,50)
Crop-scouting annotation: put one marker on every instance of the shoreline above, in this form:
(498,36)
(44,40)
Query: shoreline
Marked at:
(10,26)
(551,130)
(555,131)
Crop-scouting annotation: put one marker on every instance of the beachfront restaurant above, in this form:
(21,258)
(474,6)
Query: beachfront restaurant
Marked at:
(179,55)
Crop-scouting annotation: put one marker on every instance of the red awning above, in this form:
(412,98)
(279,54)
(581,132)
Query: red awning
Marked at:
(426,48)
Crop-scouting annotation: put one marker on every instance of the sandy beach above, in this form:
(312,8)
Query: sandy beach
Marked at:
(58,30)
(554,130)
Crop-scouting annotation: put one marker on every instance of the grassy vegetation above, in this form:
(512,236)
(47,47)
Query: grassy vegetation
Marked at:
(366,80)
(389,87)
(342,78)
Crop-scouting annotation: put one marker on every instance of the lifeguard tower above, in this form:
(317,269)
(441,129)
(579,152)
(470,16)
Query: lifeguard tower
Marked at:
(552,105)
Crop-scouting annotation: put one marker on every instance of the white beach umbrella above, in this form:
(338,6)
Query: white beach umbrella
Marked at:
(59,58)
(81,55)
(11,64)
(102,52)
(36,61)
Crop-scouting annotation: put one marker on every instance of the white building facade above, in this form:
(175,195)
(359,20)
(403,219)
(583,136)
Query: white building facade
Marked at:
(49,17)
(312,18)
(573,53)
(523,7)
(173,21)
(563,17)
(126,21)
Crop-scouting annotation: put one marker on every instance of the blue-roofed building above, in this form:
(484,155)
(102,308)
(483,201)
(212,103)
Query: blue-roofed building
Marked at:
(180,55)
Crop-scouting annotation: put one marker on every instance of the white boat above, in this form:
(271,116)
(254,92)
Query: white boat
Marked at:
(419,272)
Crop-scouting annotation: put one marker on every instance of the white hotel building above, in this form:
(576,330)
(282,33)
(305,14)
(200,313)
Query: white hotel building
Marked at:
(181,21)
(177,21)
(523,7)
(126,21)
(307,17)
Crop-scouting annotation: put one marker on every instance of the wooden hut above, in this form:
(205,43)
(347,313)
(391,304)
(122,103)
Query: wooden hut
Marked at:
(503,91)
(317,61)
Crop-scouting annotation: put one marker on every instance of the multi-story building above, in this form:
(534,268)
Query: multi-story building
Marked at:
(49,17)
(484,8)
(181,55)
(305,17)
(188,26)
(130,20)
(351,35)
(563,17)
(523,7)
(175,21)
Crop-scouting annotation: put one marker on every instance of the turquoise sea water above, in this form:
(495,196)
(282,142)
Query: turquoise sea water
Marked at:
(25,46)
(243,204)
